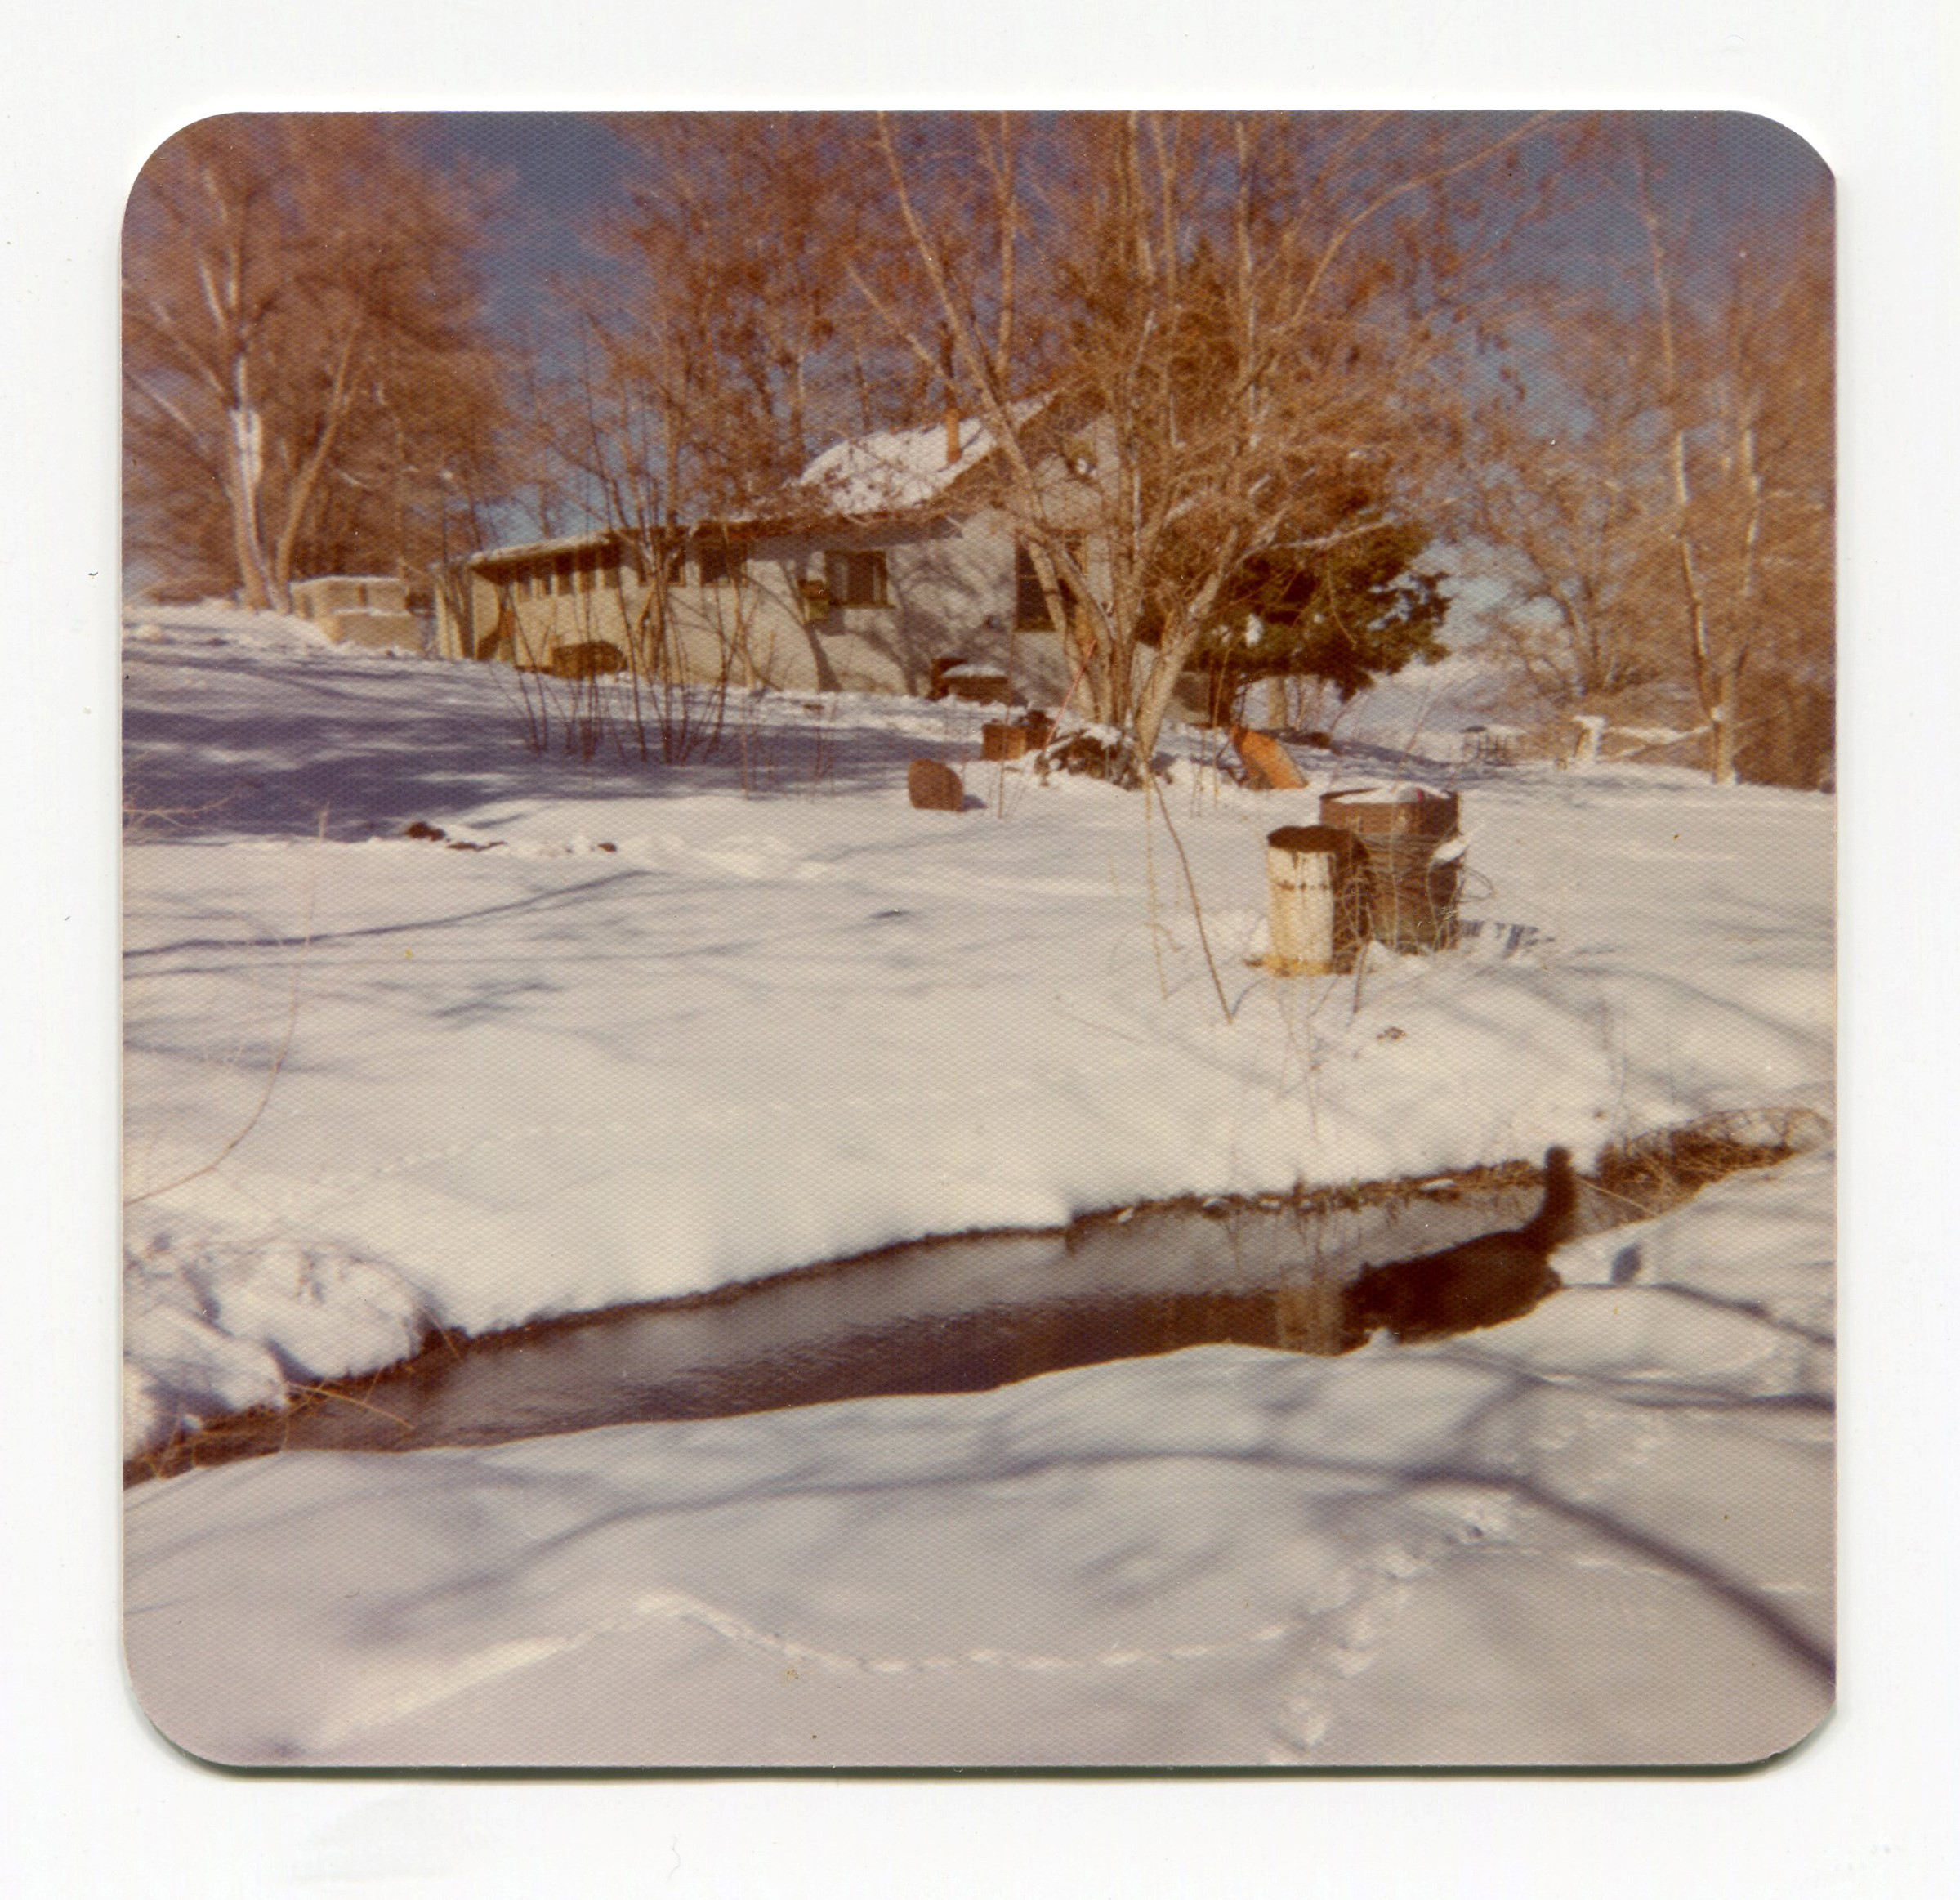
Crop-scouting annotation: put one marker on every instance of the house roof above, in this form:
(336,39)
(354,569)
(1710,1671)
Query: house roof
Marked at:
(897,470)
(559,544)
(891,471)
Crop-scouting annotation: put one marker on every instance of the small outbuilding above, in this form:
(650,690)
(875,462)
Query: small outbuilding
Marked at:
(366,610)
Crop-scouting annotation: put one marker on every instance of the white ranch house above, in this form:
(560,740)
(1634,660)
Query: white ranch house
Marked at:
(889,557)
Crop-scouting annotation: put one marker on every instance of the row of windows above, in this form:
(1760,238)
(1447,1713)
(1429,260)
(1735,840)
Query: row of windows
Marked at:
(579,572)
(852,576)
(583,571)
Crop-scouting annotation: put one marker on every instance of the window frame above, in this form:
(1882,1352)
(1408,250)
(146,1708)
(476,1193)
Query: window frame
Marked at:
(845,567)
(730,560)
(1030,587)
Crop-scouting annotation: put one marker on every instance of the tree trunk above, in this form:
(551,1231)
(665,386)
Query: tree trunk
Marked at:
(244,463)
(1721,719)
(299,501)
(1180,641)
(1154,702)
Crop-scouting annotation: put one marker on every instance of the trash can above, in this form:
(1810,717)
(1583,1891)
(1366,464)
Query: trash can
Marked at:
(1316,879)
(1414,883)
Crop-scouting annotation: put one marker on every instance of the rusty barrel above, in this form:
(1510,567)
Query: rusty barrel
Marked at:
(1317,890)
(1412,896)
(1000,742)
(1010,739)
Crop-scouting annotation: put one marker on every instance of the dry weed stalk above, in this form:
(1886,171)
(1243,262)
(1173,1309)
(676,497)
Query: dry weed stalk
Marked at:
(1153,786)
(278,1064)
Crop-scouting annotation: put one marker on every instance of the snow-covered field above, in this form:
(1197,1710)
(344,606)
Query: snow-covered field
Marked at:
(1602,1534)
(674,1027)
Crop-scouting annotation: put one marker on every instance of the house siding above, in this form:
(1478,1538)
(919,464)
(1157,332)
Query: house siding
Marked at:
(950,588)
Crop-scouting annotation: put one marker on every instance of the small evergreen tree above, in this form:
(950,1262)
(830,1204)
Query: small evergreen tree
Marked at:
(1345,614)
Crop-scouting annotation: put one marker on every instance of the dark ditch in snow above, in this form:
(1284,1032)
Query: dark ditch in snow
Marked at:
(975,1313)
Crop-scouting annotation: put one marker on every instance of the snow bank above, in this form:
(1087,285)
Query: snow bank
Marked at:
(1602,1534)
(627,1031)
(219,623)
(212,1326)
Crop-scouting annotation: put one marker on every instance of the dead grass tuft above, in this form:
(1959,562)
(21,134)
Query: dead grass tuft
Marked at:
(1653,1173)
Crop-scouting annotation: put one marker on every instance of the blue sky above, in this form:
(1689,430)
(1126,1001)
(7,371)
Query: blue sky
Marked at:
(561,170)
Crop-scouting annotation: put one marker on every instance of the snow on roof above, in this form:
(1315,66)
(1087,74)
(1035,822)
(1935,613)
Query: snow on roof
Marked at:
(899,469)
(559,544)
(887,472)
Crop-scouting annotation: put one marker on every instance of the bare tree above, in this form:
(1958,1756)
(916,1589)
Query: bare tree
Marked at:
(1242,317)
(1746,433)
(1655,482)
(733,323)
(1562,494)
(700,372)
(300,346)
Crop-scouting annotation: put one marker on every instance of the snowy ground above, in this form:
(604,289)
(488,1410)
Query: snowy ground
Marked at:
(374,1083)
(1602,1534)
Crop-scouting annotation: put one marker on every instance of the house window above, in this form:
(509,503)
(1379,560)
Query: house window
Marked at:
(562,571)
(588,569)
(722,561)
(857,578)
(1031,613)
